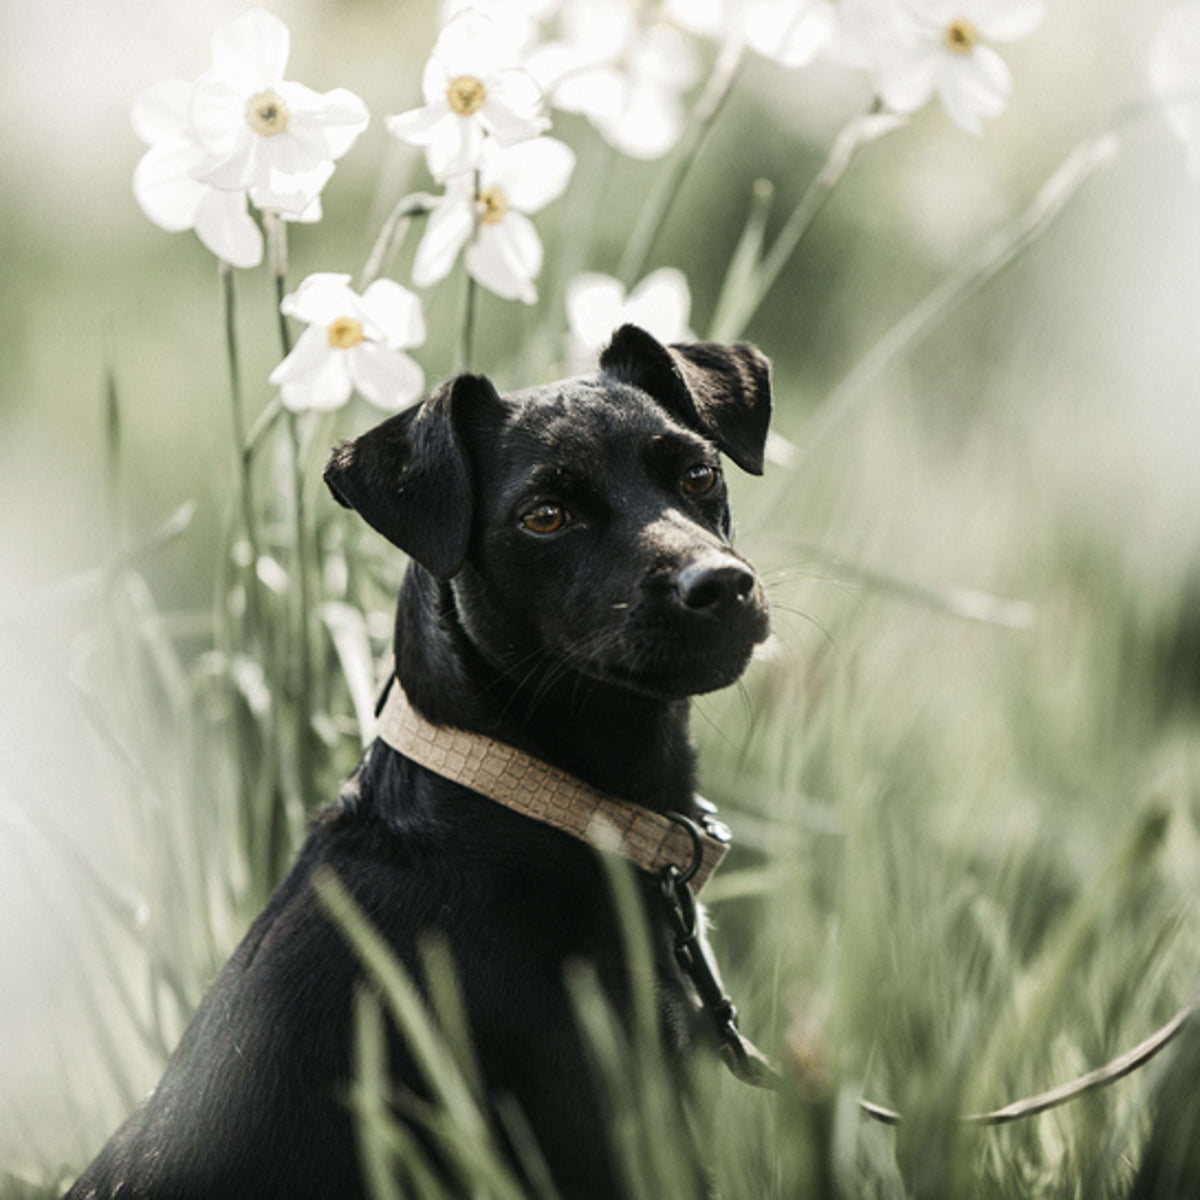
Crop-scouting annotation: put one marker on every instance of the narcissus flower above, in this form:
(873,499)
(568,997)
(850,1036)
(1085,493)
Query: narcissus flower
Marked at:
(520,18)
(261,131)
(941,46)
(597,306)
(352,343)
(503,250)
(628,81)
(165,184)
(472,87)
(1175,72)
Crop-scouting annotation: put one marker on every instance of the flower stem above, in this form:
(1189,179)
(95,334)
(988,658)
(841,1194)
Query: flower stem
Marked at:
(277,252)
(241,463)
(662,196)
(466,332)
(741,308)
(392,233)
(1084,161)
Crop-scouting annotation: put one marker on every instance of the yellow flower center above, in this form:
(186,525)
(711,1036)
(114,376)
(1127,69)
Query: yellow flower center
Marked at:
(961,36)
(266,114)
(493,204)
(466,95)
(344,333)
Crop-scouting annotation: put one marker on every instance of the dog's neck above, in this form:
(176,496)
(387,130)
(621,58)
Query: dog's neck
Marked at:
(632,746)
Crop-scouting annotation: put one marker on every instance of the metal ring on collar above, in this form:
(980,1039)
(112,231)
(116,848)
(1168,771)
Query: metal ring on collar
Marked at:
(697,844)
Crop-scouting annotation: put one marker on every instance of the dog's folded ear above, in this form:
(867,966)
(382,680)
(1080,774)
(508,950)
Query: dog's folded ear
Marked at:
(723,392)
(410,477)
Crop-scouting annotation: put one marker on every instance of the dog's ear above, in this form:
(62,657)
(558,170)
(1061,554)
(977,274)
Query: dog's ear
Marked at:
(410,478)
(723,392)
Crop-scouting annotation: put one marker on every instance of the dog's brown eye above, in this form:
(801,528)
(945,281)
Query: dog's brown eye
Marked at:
(699,479)
(546,518)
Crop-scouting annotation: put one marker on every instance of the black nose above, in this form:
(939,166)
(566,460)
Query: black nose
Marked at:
(713,588)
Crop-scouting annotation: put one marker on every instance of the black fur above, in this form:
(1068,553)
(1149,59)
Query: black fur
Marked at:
(581,646)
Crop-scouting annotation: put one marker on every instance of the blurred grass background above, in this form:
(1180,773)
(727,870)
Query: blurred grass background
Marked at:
(967,855)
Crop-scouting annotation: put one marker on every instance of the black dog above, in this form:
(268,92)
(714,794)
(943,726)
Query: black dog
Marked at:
(572,584)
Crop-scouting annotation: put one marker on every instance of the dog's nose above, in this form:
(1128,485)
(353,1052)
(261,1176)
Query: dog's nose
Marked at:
(713,588)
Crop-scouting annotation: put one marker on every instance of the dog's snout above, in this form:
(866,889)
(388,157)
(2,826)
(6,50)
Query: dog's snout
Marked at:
(712,587)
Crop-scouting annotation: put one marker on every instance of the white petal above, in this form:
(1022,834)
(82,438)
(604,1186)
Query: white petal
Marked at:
(395,312)
(550,62)
(594,307)
(704,18)
(164,187)
(308,354)
(532,174)
(604,29)
(251,51)
(321,299)
(162,111)
(474,44)
(224,225)
(236,169)
(793,32)
(512,111)
(648,125)
(661,304)
(907,84)
(418,126)
(295,196)
(599,93)
(446,232)
(388,378)
(326,383)
(973,87)
(507,257)
(662,55)
(1009,20)
(218,114)
(457,148)
(326,122)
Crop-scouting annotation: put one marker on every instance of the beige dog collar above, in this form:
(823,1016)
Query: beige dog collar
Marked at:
(535,789)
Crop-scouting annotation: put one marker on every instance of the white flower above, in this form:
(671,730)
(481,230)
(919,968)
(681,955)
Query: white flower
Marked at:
(521,18)
(503,250)
(165,183)
(626,80)
(597,306)
(352,342)
(1175,72)
(472,86)
(792,32)
(262,132)
(939,46)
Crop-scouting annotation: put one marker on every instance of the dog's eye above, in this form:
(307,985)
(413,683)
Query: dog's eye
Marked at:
(546,518)
(699,479)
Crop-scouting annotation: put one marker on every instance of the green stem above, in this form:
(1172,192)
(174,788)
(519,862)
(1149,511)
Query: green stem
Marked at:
(277,246)
(466,328)
(953,292)
(466,332)
(853,136)
(662,196)
(392,233)
(241,464)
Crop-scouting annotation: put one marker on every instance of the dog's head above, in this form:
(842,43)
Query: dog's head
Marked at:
(587,518)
